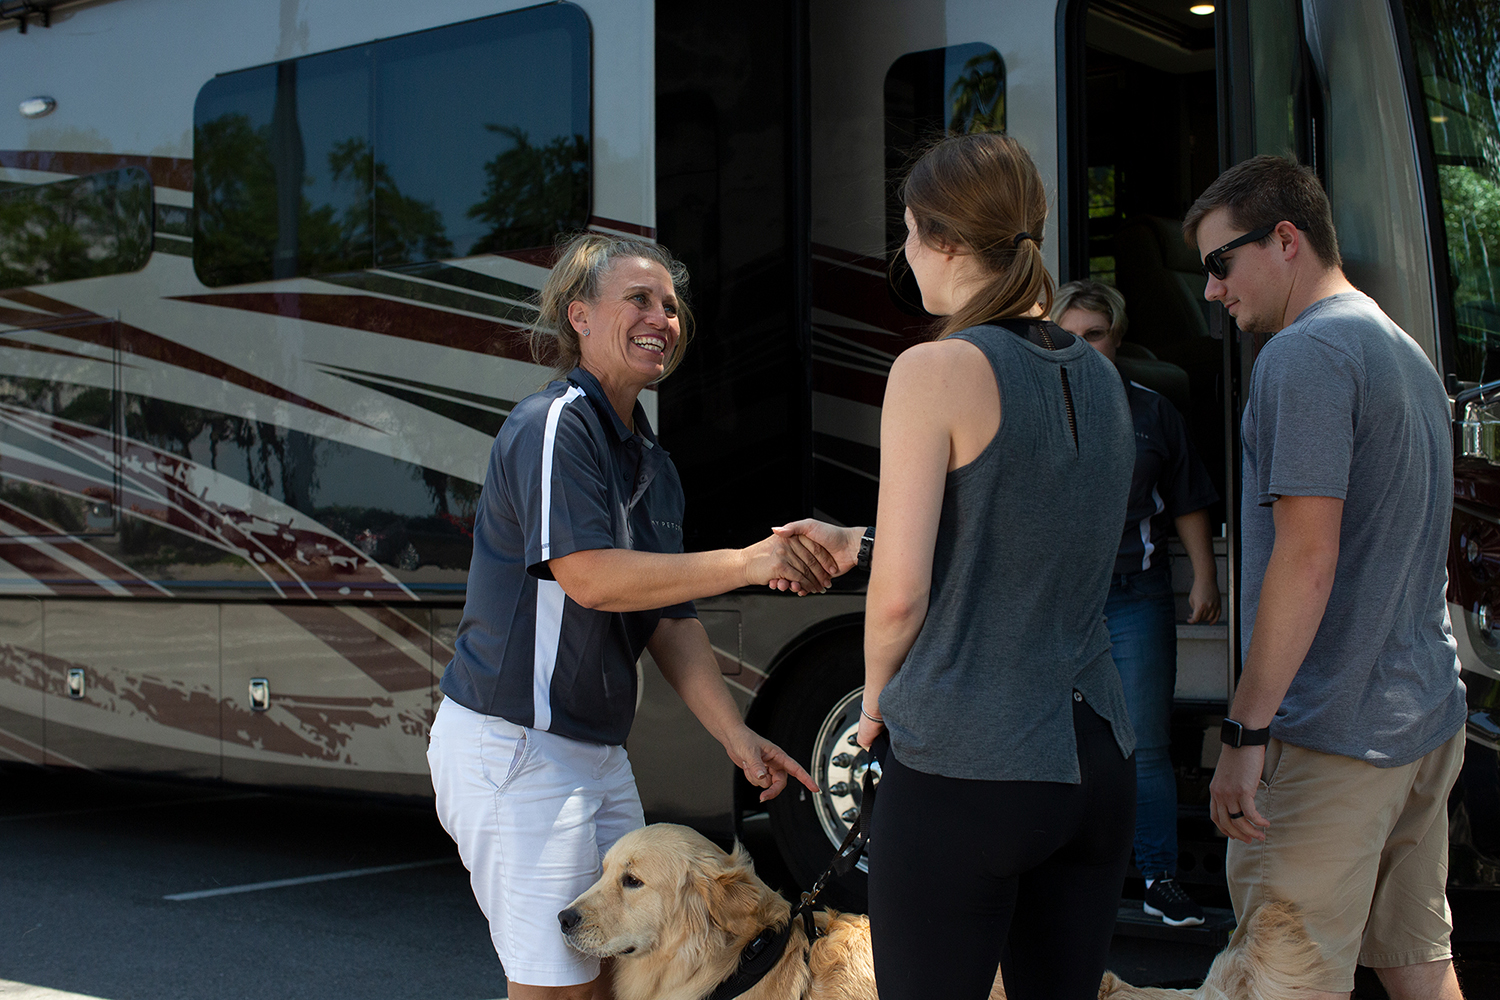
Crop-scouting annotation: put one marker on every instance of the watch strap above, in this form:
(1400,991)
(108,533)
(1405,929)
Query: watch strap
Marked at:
(1234,734)
(866,548)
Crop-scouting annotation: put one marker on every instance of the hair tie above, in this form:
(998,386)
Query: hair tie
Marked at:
(1024,236)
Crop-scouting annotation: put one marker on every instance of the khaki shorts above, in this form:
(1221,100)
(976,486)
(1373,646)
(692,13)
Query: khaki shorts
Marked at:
(1363,850)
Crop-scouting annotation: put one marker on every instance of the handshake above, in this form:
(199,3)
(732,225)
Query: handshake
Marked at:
(804,556)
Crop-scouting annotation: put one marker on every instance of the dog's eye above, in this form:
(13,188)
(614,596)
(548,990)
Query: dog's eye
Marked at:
(629,881)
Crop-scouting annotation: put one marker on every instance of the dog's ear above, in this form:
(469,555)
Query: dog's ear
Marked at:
(732,893)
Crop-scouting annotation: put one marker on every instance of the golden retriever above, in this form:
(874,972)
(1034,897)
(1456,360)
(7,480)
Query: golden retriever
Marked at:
(675,911)
(1272,962)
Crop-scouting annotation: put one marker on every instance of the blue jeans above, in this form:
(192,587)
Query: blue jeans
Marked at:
(1142,620)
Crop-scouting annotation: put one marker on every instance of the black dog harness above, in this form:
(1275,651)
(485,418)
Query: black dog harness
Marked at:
(756,961)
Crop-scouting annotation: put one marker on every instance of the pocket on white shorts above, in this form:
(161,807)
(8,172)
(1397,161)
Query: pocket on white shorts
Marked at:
(503,750)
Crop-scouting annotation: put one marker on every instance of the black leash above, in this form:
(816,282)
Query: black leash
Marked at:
(761,955)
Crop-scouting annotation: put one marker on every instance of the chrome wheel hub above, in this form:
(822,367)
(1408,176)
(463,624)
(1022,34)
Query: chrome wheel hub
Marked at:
(839,766)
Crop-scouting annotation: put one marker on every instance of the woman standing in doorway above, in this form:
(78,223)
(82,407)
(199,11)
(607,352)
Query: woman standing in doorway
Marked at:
(1007,803)
(1169,487)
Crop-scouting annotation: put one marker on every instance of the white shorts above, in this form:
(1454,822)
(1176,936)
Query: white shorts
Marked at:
(532,814)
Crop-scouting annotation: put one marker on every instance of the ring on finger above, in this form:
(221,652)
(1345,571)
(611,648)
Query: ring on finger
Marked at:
(1238,815)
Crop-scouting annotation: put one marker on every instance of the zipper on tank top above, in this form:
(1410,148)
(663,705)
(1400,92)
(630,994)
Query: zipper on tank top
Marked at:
(1067,392)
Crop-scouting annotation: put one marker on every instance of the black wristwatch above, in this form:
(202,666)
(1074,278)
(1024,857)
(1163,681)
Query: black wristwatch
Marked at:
(1232,734)
(866,548)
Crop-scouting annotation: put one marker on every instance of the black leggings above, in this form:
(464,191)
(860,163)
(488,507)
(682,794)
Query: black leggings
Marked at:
(965,875)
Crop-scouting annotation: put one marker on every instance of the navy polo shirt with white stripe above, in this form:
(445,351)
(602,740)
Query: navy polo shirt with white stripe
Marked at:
(565,475)
(1168,481)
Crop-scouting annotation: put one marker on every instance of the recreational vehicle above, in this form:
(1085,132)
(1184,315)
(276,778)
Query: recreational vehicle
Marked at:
(265,270)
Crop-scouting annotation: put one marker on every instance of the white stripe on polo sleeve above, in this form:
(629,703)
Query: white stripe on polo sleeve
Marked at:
(549,594)
(1161,505)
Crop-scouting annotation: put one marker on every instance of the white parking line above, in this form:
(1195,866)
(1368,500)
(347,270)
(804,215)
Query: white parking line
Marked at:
(281,883)
(128,808)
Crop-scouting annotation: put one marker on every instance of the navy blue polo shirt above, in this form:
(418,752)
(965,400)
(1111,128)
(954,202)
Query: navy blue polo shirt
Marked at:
(565,475)
(1168,481)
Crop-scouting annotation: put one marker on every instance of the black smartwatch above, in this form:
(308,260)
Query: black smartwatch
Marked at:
(866,548)
(1232,734)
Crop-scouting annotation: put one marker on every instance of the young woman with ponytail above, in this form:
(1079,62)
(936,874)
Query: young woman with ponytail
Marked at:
(1007,803)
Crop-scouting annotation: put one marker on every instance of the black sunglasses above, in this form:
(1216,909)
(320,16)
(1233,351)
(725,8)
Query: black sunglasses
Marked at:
(1213,263)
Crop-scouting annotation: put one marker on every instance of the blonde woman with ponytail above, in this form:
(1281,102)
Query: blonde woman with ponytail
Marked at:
(1007,804)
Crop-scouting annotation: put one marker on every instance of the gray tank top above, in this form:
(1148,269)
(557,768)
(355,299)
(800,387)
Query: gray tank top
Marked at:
(1025,546)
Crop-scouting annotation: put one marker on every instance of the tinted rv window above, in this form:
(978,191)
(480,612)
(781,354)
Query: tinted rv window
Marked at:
(957,90)
(281,170)
(1457,48)
(467,139)
(82,228)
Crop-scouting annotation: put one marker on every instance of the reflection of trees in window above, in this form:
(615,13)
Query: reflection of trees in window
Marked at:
(82,404)
(978,96)
(291,466)
(278,460)
(236,215)
(1458,53)
(405,227)
(81,228)
(79,403)
(532,193)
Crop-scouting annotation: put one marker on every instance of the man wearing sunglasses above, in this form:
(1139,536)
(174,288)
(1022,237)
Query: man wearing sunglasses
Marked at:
(1346,730)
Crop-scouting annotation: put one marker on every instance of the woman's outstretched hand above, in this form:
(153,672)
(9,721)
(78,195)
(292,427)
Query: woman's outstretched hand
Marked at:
(840,544)
(790,561)
(766,765)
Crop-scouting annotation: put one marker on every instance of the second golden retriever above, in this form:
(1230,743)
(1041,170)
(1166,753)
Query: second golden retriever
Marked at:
(675,912)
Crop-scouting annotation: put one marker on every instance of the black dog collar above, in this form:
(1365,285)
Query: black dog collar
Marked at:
(757,959)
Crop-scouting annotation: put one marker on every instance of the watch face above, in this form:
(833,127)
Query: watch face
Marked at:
(1231,733)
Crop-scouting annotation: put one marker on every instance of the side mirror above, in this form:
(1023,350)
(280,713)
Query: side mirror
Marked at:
(1480,432)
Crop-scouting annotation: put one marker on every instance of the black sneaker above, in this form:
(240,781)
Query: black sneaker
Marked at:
(1166,899)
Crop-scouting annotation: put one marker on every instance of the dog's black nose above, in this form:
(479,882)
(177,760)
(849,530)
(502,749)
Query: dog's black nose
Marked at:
(569,919)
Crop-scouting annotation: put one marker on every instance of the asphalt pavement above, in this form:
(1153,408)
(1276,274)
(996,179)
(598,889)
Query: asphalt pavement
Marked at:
(90,863)
(117,889)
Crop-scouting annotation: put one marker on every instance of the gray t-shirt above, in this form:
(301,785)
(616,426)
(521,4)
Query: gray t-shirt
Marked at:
(1344,404)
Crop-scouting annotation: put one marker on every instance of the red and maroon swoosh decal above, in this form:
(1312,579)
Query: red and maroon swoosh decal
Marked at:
(165,171)
(25,319)
(53,307)
(145,344)
(854,287)
(14,746)
(21,345)
(600,222)
(104,567)
(390,317)
(547,256)
(155,485)
(382,662)
(23,667)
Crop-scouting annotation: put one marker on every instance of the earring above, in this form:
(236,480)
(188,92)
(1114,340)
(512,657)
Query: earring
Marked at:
(585,331)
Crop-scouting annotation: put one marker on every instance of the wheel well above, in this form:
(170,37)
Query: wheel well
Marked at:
(825,635)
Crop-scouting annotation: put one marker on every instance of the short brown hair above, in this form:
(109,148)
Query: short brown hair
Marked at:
(583,261)
(1265,190)
(1093,296)
(981,194)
